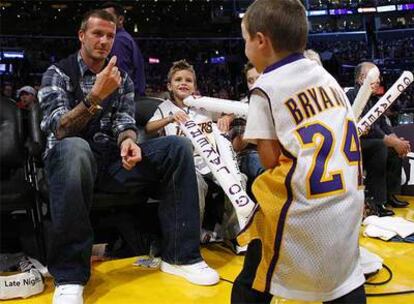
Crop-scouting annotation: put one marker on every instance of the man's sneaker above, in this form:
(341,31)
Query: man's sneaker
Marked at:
(68,294)
(198,273)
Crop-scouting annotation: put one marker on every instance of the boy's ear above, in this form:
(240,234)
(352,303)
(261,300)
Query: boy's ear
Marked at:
(262,40)
(169,87)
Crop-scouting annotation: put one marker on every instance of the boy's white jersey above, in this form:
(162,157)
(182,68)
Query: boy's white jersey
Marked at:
(201,117)
(311,204)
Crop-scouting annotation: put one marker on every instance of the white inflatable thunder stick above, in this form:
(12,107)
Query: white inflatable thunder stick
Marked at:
(385,102)
(364,92)
(226,151)
(217,105)
(242,203)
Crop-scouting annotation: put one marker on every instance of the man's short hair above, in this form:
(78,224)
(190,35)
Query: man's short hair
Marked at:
(359,69)
(179,66)
(118,9)
(247,67)
(312,55)
(283,21)
(98,13)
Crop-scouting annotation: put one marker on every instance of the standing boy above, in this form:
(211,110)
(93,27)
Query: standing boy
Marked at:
(304,236)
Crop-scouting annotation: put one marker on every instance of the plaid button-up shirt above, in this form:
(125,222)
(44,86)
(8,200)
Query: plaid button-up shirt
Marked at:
(56,99)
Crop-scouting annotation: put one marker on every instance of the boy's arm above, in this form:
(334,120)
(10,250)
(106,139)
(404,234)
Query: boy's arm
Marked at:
(261,130)
(239,143)
(269,152)
(154,126)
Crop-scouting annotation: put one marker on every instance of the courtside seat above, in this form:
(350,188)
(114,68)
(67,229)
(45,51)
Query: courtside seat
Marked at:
(16,191)
(145,107)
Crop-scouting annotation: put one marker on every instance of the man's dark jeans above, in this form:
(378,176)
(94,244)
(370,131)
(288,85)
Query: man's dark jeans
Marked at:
(383,168)
(72,171)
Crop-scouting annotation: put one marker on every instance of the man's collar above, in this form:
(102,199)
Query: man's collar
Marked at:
(84,68)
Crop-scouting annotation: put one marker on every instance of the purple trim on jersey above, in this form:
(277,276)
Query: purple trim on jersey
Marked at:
(282,220)
(268,101)
(289,59)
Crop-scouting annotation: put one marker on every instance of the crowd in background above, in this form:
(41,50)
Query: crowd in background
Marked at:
(224,79)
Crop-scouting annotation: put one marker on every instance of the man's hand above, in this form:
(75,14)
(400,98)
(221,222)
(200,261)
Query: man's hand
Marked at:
(130,153)
(107,81)
(400,145)
(223,123)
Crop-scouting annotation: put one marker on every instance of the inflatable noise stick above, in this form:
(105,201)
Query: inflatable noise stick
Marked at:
(241,202)
(364,92)
(385,102)
(218,105)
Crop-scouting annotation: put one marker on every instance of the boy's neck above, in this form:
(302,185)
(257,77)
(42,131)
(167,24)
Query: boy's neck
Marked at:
(276,57)
(179,103)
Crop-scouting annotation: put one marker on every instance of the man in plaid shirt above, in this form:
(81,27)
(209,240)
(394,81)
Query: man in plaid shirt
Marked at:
(92,143)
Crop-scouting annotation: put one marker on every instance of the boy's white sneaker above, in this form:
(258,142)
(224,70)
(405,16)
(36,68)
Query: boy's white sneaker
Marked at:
(68,294)
(199,273)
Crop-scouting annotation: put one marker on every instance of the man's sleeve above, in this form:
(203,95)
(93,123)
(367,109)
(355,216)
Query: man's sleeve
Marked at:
(351,94)
(53,99)
(259,123)
(387,129)
(124,117)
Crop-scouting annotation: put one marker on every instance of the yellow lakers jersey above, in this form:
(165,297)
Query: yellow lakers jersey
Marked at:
(311,204)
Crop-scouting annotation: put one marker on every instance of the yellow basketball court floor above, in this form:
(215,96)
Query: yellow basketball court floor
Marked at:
(118,281)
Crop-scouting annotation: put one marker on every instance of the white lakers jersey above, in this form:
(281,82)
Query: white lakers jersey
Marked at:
(311,204)
(201,117)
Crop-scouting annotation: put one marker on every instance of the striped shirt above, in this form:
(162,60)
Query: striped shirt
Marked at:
(56,97)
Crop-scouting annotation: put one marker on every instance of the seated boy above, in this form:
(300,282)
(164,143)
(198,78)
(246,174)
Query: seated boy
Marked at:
(166,119)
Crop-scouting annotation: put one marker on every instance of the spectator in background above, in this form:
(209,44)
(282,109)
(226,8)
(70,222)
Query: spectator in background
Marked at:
(382,151)
(7,90)
(26,97)
(247,155)
(126,49)
(312,55)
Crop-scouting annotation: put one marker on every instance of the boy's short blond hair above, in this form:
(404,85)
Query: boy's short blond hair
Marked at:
(179,66)
(283,21)
(247,67)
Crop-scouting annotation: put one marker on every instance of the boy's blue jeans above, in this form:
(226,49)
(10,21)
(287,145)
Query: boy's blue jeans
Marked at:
(250,165)
(73,174)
